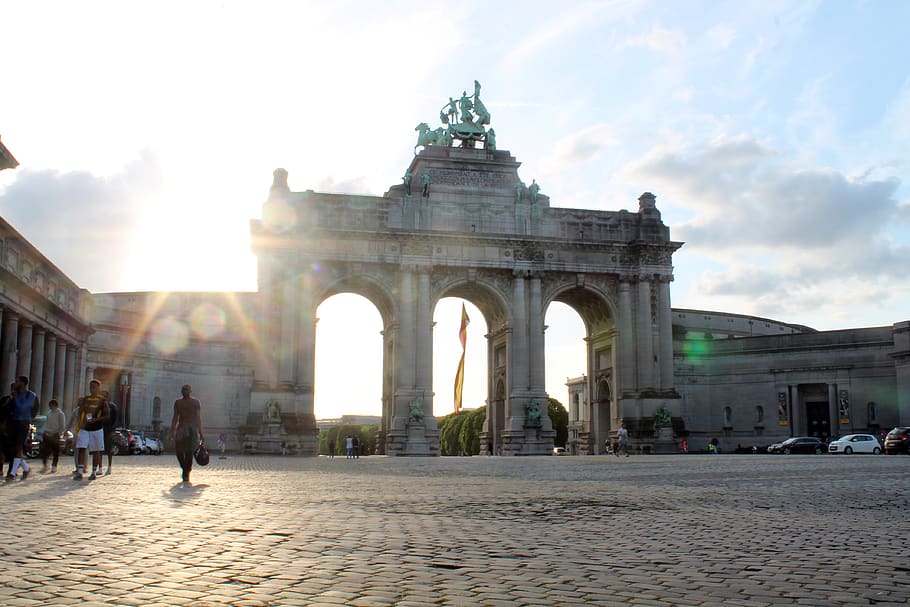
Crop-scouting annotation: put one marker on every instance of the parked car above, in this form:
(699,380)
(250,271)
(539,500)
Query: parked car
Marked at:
(121,442)
(134,441)
(153,445)
(36,434)
(559,451)
(898,441)
(799,444)
(855,443)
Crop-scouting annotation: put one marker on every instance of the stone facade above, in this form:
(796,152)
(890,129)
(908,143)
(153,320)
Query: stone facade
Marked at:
(469,232)
(465,228)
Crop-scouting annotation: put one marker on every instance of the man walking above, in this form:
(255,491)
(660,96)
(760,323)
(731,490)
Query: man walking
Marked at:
(91,413)
(623,438)
(50,441)
(25,406)
(186,428)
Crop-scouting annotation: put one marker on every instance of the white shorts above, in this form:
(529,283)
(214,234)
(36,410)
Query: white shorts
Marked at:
(93,440)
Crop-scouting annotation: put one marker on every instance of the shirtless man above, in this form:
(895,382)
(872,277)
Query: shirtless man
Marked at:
(186,428)
(89,419)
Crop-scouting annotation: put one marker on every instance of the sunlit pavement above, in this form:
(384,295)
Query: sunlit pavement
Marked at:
(645,530)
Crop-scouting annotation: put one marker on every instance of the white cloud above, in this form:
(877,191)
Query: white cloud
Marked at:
(658,39)
(788,238)
(84,223)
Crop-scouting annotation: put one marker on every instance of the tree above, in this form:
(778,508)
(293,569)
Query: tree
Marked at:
(366,434)
(471,429)
(450,432)
(560,418)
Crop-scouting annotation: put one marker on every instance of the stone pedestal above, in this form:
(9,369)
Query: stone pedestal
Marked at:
(417,444)
(664,441)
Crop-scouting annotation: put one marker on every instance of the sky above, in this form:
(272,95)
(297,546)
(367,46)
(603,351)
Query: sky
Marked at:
(773,133)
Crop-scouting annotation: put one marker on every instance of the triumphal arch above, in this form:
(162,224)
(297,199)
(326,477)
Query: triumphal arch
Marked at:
(463,224)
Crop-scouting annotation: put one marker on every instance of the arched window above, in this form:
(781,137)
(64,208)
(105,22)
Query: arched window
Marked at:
(872,412)
(759,414)
(156,408)
(728,417)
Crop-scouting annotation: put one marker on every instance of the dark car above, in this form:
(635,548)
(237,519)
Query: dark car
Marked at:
(121,442)
(898,441)
(799,444)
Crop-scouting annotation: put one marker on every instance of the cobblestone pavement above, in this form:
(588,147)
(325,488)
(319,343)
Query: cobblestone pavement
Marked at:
(746,531)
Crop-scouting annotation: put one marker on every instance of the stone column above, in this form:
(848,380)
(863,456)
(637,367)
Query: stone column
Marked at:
(89,376)
(626,355)
(36,374)
(266,369)
(645,336)
(519,377)
(407,355)
(424,340)
(59,377)
(50,359)
(665,334)
(24,358)
(8,356)
(288,340)
(69,388)
(538,381)
(306,342)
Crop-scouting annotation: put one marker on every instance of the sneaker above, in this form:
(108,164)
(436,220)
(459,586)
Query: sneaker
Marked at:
(10,477)
(108,472)
(92,476)
(77,477)
(53,469)
(44,469)
(25,473)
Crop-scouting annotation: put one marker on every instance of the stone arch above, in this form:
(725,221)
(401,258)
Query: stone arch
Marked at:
(598,312)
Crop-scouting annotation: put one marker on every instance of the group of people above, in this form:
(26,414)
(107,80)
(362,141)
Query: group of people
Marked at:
(93,424)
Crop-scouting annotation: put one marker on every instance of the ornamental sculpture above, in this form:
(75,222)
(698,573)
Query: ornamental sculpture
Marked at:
(533,413)
(469,130)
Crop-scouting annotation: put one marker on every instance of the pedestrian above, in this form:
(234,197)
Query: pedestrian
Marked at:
(355,442)
(24,407)
(109,429)
(6,442)
(50,441)
(684,443)
(349,446)
(332,447)
(622,436)
(186,428)
(715,446)
(88,420)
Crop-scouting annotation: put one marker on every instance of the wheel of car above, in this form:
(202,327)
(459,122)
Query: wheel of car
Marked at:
(787,451)
(876,451)
(115,450)
(848,450)
(818,451)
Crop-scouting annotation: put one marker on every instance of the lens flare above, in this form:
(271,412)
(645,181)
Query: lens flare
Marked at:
(207,320)
(169,335)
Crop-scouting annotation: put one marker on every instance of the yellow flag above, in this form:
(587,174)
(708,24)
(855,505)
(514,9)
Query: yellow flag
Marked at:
(459,376)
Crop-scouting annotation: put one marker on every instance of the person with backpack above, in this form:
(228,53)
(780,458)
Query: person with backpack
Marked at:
(109,439)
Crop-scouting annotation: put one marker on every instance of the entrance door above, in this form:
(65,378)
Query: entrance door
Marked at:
(818,420)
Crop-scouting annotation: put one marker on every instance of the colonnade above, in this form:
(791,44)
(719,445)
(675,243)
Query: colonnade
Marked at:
(48,359)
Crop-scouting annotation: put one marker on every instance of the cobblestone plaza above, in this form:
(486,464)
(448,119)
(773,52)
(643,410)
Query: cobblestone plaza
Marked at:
(646,530)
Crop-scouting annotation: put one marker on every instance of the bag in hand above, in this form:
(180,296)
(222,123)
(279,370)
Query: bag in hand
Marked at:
(201,455)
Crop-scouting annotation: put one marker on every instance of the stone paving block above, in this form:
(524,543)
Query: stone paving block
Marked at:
(656,530)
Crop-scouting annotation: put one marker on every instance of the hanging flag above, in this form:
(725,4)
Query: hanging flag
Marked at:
(459,376)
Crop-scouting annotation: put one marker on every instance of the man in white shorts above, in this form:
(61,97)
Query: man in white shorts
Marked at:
(89,419)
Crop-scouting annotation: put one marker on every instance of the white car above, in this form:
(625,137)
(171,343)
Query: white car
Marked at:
(855,443)
(559,451)
(152,446)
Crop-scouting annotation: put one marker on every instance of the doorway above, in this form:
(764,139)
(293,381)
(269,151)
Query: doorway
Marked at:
(818,419)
